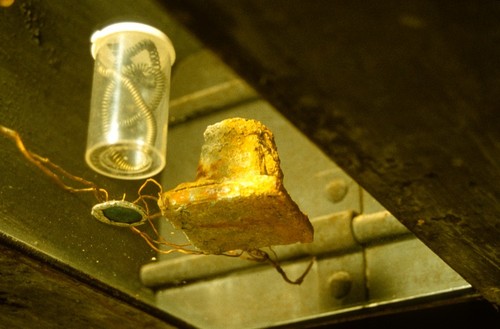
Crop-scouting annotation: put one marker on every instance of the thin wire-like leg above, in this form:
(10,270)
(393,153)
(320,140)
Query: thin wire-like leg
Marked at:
(145,197)
(159,241)
(262,256)
(52,170)
(154,244)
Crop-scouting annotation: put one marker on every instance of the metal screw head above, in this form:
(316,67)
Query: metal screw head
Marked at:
(340,284)
(336,190)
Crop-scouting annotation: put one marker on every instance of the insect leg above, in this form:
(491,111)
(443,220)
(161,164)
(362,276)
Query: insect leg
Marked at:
(52,170)
(262,256)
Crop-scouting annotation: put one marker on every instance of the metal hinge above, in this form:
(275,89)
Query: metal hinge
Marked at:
(362,260)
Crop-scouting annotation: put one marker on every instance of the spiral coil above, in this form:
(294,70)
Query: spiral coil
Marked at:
(135,79)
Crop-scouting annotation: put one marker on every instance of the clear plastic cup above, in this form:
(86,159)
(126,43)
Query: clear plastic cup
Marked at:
(127,136)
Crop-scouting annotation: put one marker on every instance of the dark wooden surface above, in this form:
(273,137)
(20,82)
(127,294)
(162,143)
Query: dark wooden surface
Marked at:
(35,294)
(403,95)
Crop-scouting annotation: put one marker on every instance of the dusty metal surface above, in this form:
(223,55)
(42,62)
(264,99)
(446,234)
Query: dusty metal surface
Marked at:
(402,95)
(339,233)
(348,276)
(333,235)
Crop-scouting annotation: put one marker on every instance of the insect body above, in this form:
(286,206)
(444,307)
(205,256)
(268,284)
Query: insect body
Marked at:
(119,213)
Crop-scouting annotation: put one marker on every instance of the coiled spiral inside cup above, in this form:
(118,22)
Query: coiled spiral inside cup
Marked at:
(141,88)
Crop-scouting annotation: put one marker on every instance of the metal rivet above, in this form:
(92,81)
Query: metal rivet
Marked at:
(340,284)
(336,190)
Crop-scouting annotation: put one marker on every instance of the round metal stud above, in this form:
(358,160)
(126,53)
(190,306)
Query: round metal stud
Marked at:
(336,190)
(340,284)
